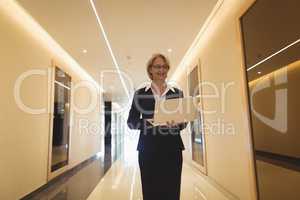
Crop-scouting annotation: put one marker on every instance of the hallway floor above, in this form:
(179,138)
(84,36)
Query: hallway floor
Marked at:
(122,181)
(116,176)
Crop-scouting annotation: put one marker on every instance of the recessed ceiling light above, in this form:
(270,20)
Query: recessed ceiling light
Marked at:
(170,50)
(259,72)
(84,51)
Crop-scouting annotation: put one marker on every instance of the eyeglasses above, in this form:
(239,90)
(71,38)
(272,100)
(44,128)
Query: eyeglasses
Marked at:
(165,67)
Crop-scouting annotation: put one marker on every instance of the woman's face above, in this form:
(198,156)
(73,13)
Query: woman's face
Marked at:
(159,69)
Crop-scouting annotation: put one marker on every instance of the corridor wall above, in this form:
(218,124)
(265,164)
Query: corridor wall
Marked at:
(24,137)
(218,51)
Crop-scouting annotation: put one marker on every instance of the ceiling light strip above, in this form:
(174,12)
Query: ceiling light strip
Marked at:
(109,47)
(271,56)
(21,17)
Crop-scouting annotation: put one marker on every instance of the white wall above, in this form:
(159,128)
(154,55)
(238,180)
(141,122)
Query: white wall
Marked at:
(229,157)
(24,137)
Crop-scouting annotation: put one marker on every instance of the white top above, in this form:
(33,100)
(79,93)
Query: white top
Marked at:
(163,95)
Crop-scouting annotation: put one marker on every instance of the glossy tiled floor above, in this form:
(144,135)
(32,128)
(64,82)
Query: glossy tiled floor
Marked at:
(122,181)
(78,183)
(75,185)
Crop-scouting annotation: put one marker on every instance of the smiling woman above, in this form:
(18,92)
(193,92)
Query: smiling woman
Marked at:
(158,65)
(160,147)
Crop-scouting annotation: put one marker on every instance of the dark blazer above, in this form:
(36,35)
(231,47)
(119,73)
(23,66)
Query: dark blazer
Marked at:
(153,138)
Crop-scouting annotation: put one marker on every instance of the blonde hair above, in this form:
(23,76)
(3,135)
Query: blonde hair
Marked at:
(152,59)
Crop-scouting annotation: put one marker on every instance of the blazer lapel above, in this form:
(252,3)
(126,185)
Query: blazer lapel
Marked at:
(171,95)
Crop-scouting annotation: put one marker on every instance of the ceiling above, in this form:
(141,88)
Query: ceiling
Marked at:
(135,29)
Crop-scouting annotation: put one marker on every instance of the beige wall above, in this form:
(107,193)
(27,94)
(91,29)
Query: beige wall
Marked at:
(229,157)
(23,136)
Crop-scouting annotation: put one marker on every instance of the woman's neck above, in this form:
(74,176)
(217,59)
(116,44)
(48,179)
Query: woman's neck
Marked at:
(159,86)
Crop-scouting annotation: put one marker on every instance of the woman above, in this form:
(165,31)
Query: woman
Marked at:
(160,147)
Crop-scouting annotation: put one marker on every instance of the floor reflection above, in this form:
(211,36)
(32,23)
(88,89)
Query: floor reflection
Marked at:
(107,158)
(79,183)
(122,182)
(61,195)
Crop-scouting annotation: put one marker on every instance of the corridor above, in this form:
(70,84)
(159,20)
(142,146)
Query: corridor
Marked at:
(196,99)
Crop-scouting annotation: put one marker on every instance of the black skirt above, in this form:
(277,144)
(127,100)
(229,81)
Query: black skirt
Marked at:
(161,175)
